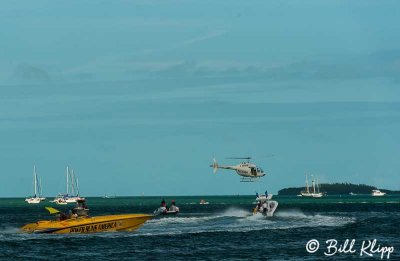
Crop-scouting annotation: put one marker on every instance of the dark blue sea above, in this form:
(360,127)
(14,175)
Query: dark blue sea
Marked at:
(224,229)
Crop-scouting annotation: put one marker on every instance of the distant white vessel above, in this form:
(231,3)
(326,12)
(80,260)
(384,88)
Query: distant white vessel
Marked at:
(315,193)
(109,196)
(377,193)
(37,187)
(352,194)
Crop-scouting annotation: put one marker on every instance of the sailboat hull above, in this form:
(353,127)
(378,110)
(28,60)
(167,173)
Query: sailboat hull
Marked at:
(33,200)
(110,223)
(312,195)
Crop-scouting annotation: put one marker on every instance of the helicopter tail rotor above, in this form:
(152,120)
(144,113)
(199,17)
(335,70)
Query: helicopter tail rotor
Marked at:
(214,165)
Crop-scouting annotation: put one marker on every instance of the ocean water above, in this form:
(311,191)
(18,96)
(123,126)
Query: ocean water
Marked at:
(225,229)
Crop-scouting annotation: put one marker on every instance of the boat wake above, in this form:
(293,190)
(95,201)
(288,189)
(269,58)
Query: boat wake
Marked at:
(239,220)
(9,230)
(232,220)
(235,212)
(291,213)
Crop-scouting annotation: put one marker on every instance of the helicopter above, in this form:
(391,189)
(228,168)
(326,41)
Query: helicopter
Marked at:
(249,172)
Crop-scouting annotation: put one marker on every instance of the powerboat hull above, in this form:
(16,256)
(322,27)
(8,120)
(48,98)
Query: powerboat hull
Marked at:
(377,193)
(84,225)
(72,199)
(268,208)
(60,201)
(265,205)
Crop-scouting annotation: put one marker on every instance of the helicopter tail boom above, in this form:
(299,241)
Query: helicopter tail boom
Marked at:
(215,166)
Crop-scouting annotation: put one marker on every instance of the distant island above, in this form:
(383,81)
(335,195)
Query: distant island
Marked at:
(338,189)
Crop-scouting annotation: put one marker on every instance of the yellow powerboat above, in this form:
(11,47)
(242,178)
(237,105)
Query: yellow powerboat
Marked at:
(78,221)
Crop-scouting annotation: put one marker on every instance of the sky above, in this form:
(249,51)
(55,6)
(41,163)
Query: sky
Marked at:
(139,96)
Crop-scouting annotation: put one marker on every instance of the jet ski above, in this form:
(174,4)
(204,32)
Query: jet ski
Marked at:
(164,210)
(265,205)
(79,221)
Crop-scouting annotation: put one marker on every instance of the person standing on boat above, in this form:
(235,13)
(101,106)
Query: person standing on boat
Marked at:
(258,207)
(164,206)
(172,207)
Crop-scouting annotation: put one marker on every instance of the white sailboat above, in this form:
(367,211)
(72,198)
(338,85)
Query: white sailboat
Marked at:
(72,187)
(315,193)
(37,187)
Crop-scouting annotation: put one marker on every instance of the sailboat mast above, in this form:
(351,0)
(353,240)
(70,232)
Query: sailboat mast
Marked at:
(77,188)
(313,184)
(40,186)
(317,184)
(67,179)
(34,180)
(73,189)
(307,187)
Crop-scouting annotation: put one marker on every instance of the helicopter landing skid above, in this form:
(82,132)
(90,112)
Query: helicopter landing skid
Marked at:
(250,180)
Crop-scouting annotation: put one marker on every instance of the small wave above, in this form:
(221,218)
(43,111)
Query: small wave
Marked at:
(180,220)
(235,212)
(258,217)
(298,219)
(9,230)
(291,213)
(330,221)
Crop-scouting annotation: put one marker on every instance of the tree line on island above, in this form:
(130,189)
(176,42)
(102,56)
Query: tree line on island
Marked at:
(338,189)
